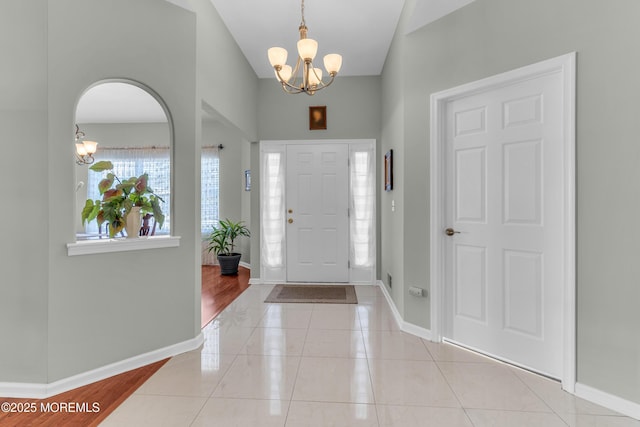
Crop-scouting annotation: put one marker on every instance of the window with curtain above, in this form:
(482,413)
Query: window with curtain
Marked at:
(210,197)
(272,205)
(362,201)
(128,162)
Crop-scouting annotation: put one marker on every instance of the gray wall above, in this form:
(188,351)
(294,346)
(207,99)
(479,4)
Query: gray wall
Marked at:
(63,315)
(226,81)
(492,36)
(353,112)
(146,300)
(23,225)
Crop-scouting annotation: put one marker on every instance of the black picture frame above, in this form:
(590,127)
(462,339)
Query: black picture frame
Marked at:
(388,171)
(318,117)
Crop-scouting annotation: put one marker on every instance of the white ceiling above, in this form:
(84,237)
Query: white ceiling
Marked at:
(353,28)
(360,30)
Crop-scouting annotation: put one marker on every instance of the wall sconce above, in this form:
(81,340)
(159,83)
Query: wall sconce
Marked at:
(84,149)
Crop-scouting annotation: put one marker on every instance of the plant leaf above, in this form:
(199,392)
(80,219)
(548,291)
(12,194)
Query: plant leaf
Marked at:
(103,165)
(87,210)
(111,195)
(141,183)
(116,226)
(157,211)
(106,183)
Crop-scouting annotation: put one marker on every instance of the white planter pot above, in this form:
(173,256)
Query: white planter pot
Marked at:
(132,223)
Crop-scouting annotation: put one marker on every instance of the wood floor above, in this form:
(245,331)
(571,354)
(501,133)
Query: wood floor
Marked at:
(220,291)
(217,292)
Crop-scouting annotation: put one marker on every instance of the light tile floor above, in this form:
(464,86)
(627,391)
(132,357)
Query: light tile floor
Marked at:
(342,365)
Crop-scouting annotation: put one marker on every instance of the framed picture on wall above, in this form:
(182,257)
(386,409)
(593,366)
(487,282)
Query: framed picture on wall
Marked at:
(318,117)
(247,180)
(388,171)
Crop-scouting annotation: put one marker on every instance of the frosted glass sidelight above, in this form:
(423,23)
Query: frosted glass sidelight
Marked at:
(272,187)
(362,200)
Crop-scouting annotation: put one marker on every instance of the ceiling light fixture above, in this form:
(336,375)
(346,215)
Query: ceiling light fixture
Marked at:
(311,79)
(84,149)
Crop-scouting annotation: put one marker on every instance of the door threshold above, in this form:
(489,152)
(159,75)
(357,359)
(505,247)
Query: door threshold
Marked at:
(498,359)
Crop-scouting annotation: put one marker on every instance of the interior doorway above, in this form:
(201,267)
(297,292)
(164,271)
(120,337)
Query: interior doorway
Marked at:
(503,225)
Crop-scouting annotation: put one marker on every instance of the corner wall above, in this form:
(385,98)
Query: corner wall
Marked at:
(488,37)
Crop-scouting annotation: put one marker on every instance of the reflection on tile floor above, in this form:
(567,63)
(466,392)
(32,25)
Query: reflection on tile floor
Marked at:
(342,365)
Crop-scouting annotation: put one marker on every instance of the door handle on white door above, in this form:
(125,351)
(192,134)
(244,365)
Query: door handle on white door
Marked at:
(450,232)
(290,220)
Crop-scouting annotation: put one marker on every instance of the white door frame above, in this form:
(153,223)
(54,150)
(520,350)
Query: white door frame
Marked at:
(566,65)
(362,275)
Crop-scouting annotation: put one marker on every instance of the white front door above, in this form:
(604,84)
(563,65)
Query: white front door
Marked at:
(317,228)
(504,207)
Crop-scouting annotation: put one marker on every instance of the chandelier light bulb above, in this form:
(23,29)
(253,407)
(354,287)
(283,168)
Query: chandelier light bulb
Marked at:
(81,149)
(332,63)
(307,49)
(90,146)
(277,56)
(315,76)
(286,72)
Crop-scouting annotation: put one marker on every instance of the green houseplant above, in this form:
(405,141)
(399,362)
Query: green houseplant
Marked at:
(222,242)
(122,202)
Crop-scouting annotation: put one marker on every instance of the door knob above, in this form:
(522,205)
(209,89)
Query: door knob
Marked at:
(451,232)
(290,211)
(290,220)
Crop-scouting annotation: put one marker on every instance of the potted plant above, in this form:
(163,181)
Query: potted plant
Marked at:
(123,202)
(222,242)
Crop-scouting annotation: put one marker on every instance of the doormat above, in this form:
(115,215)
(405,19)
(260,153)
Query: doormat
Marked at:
(323,294)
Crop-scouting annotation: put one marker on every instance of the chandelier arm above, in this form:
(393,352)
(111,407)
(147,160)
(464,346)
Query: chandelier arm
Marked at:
(294,73)
(322,84)
(292,91)
(286,84)
(305,75)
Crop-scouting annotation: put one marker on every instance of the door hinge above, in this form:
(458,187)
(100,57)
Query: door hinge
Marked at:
(349,264)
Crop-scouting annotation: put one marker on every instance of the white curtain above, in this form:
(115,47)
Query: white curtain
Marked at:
(362,207)
(272,209)
(128,162)
(210,184)
(210,198)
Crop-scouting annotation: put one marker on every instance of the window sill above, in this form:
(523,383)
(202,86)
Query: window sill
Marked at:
(103,246)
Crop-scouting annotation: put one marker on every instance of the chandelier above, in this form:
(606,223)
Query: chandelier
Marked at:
(310,79)
(84,149)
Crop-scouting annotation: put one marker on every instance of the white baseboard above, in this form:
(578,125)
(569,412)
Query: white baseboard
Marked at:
(43,391)
(404,326)
(615,403)
(245,265)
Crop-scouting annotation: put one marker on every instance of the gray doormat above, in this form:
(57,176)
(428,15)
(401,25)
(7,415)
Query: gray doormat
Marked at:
(327,294)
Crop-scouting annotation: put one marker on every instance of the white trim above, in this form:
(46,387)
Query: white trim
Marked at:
(566,65)
(43,391)
(245,265)
(279,274)
(404,326)
(615,403)
(103,246)
(256,281)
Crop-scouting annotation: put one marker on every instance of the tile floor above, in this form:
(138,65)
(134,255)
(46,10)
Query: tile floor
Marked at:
(342,365)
